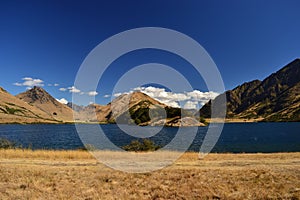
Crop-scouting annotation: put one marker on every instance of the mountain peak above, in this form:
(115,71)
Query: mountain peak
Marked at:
(3,90)
(38,97)
(14,110)
(134,98)
(273,99)
(37,88)
(36,94)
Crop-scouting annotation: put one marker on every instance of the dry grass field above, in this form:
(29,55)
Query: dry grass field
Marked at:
(26,174)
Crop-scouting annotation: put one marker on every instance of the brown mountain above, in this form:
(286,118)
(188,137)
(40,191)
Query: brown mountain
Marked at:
(14,110)
(276,98)
(91,113)
(41,99)
(119,108)
(134,108)
(141,109)
(137,108)
(37,105)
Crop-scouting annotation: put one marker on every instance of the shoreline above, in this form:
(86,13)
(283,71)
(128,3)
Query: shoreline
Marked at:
(227,121)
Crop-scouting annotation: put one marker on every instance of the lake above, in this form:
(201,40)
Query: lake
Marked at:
(235,137)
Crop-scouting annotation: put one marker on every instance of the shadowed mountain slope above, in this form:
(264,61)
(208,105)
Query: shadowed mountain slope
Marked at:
(276,98)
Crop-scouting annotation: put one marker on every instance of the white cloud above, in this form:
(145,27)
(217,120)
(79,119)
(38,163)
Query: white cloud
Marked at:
(106,96)
(18,84)
(190,100)
(30,82)
(27,79)
(190,105)
(55,84)
(202,96)
(119,94)
(73,89)
(171,103)
(63,89)
(62,100)
(92,93)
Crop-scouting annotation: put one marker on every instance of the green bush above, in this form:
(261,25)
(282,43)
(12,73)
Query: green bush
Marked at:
(202,120)
(173,112)
(145,145)
(12,111)
(140,115)
(87,147)
(6,144)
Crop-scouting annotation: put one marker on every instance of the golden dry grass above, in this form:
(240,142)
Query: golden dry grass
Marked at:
(77,175)
(44,154)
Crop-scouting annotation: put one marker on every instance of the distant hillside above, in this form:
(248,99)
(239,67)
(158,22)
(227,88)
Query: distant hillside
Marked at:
(137,111)
(41,99)
(38,106)
(135,108)
(14,110)
(276,98)
(91,113)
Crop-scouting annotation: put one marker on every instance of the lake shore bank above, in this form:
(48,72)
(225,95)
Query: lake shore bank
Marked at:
(77,175)
(227,121)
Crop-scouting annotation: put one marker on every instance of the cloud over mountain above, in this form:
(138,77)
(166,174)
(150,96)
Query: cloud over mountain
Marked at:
(62,100)
(30,82)
(188,100)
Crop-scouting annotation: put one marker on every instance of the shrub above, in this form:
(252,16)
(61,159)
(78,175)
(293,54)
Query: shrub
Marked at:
(87,147)
(145,145)
(12,111)
(6,144)
(173,112)
(202,120)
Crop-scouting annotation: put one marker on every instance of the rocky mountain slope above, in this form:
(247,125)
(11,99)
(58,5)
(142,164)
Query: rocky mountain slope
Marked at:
(14,110)
(42,100)
(276,98)
(134,108)
(38,106)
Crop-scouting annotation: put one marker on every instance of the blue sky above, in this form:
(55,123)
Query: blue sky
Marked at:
(48,40)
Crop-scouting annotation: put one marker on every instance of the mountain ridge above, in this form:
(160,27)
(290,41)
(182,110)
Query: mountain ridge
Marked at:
(14,110)
(41,99)
(135,108)
(276,98)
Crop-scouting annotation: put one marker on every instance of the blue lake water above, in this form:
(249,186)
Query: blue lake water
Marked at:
(235,137)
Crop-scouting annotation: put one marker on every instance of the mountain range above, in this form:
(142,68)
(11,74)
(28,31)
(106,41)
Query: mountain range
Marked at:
(135,108)
(38,106)
(276,98)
